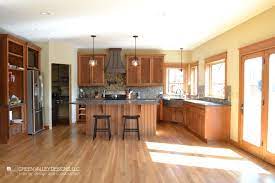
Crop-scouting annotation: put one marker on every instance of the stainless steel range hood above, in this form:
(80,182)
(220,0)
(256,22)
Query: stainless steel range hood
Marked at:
(115,65)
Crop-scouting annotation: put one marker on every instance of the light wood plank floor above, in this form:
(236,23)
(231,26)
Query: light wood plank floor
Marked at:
(173,155)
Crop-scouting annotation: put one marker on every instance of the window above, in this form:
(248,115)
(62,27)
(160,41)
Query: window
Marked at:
(215,76)
(194,79)
(174,81)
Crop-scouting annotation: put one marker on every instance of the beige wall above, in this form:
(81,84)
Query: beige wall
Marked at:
(171,56)
(60,53)
(256,29)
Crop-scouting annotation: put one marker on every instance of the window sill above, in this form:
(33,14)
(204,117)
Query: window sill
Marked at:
(218,98)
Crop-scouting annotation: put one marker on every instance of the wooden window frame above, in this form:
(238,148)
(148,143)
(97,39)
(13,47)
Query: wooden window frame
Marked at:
(216,59)
(175,65)
(192,65)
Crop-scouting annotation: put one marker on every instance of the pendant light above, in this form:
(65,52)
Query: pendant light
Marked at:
(92,61)
(181,59)
(135,61)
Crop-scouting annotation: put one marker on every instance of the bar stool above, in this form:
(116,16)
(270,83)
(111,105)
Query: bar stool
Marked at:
(129,117)
(105,118)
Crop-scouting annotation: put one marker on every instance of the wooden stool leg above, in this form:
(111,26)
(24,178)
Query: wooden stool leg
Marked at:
(109,129)
(138,128)
(95,127)
(124,121)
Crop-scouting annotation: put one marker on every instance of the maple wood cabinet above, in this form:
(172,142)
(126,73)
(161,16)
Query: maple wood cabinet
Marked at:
(88,75)
(174,114)
(208,122)
(148,73)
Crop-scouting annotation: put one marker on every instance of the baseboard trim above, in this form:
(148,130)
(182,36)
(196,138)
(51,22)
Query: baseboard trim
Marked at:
(234,143)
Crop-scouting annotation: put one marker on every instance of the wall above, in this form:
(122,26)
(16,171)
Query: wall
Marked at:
(60,53)
(256,29)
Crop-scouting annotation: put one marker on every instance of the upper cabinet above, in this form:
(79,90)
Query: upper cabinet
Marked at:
(90,75)
(98,71)
(148,73)
(33,56)
(145,69)
(157,72)
(133,72)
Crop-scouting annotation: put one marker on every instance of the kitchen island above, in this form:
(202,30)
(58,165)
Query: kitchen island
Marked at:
(146,108)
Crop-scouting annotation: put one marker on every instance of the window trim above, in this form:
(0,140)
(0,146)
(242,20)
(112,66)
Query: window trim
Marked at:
(215,59)
(195,64)
(175,65)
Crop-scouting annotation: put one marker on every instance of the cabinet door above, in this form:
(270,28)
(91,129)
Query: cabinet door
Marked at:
(84,71)
(179,117)
(168,114)
(133,73)
(98,71)
(145,69)
(157,70)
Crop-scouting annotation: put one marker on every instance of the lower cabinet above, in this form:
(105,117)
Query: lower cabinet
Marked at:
(174,114)
(209,123)
(195,118)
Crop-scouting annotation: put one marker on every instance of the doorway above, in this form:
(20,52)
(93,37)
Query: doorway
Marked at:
(257,97)
(60,94)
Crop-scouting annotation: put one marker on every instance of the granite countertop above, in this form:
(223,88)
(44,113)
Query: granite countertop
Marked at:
(177,102)
(92,101)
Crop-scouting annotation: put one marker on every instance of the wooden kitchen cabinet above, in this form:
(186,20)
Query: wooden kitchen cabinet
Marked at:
(179,115)
(145,69)
(174,114)
(195,119)
(168,113)
(132,73)
(148,73)
(98,71)
(210,123)
(88,75)
(157,71)
(83,71)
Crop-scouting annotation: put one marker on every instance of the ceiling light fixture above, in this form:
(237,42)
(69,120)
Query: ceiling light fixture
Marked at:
(181,59)
(135,61)
(92,61)
(45,13)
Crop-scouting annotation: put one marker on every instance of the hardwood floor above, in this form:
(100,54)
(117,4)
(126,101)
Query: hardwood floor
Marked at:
(173,155)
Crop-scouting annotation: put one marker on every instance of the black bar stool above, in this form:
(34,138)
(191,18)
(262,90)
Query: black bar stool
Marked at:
(105,118)
(129,117)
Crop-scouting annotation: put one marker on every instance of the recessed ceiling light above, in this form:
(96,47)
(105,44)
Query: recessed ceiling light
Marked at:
(45,13)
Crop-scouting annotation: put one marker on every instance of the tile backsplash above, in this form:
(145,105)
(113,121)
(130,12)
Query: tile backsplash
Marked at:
(117,83)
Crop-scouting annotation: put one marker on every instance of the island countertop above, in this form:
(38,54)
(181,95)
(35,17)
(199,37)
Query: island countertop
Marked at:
(91,101)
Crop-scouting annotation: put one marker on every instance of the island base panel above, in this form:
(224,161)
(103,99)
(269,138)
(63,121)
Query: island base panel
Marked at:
(147,121)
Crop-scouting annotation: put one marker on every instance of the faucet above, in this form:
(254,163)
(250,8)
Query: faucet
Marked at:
(180,92)
(104,94)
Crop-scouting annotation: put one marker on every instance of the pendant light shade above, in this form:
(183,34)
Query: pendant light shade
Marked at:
(135,62)
(92,61)
(181,59)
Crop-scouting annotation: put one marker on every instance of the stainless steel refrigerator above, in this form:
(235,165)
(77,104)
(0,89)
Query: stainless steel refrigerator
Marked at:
(35,102)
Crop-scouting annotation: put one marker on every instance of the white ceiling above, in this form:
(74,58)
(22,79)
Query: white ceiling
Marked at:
(161,24)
